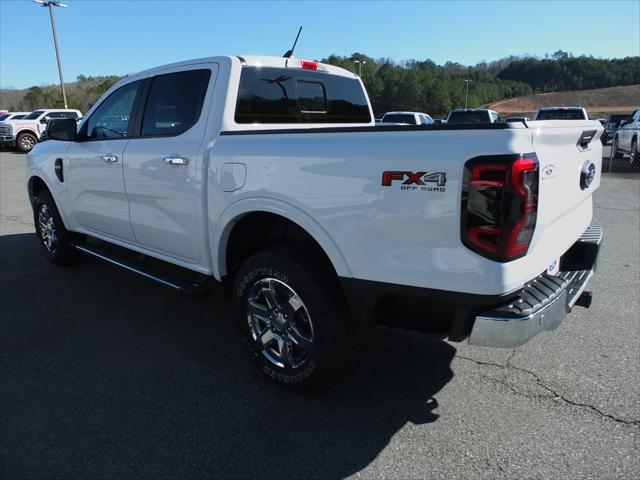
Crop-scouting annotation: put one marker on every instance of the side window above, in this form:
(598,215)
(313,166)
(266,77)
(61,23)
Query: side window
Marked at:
(175,102)
(73,115)
(111,119)
(423,120)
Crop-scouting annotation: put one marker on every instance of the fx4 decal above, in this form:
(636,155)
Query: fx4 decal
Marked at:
(416,181)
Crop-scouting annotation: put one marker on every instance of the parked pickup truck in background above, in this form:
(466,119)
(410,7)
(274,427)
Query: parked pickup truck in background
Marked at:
(406,118)
(25,132)
(561,113)
(12,116)
(473,115)
(269,176)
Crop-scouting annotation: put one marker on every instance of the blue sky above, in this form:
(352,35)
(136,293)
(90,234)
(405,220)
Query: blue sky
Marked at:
(101,37)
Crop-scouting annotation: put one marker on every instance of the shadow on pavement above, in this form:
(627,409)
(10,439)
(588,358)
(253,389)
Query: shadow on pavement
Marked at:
(106,375)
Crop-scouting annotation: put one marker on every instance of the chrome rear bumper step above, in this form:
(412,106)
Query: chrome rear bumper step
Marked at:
(543,302)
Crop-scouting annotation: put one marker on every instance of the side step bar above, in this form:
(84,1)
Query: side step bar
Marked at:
(193,289)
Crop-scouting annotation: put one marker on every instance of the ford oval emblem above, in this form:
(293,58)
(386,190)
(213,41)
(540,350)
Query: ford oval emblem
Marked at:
(587,175)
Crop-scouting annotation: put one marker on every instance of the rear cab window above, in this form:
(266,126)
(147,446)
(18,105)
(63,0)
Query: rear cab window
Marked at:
(469,117)
(561,114)
(281,95)
(399,118)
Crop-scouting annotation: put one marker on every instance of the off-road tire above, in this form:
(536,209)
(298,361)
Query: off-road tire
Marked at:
(335,336)
(48,222)
(26,141)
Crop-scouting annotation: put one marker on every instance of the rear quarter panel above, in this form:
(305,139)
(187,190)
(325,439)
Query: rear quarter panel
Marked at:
(385,234)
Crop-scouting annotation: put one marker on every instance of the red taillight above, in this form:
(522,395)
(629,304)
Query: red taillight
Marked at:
(499,205)
(308,65)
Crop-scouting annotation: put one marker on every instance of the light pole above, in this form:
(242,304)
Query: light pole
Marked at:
(51,4)
(466,93)
(360,63)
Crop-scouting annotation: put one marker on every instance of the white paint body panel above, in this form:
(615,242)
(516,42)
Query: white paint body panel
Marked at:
(329,183)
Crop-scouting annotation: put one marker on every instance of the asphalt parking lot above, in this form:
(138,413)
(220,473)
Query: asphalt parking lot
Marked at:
(105,375)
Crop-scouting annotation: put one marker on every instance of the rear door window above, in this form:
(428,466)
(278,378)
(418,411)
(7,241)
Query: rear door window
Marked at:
(175,102)
(281,95)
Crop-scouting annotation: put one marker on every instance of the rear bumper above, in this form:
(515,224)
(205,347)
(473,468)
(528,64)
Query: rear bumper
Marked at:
(543,302)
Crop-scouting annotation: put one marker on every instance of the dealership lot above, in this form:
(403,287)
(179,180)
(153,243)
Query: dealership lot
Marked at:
(106,375)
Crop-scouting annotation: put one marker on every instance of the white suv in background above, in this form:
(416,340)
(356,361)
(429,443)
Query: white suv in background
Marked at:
(24,133)
(406,118)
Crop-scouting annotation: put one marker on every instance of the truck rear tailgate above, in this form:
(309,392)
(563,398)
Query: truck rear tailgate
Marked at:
(570,158)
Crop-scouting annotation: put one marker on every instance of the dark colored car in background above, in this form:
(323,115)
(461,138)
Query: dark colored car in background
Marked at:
(612,125)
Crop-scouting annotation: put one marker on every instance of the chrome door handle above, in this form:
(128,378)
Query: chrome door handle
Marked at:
(109,158)
(176,161)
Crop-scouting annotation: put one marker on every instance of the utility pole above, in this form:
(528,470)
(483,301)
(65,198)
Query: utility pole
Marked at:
(466,93)
(51,4)
(359,63)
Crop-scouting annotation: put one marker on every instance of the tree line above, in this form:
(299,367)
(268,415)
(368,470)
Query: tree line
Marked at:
(418,85)
(435,89)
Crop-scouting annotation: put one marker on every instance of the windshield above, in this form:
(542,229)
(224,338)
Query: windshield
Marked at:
(34,115)
(399,118)
(574,114)
(468,117)
(18,117)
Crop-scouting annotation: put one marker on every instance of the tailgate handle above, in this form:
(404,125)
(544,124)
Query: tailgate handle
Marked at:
(585,139)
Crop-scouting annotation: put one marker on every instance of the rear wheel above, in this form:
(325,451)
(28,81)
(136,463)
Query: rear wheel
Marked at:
(55,239)
(292,318)
(26,141)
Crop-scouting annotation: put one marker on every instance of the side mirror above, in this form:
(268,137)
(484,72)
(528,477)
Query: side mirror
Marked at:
(623,122)
(64,129)
(45,119)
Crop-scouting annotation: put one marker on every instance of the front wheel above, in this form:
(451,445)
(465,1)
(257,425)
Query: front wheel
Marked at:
(292,318)
(26,141)
(55,239)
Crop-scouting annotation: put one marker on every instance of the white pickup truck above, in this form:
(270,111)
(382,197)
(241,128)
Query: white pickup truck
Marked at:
(269,176)
(25,132)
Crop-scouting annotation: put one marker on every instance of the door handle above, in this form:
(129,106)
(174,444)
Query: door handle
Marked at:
(176,161)
(109,158)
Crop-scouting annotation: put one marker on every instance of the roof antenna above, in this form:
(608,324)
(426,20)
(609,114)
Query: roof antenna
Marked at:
(290,52)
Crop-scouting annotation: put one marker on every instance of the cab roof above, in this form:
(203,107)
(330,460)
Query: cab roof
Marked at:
(257,61)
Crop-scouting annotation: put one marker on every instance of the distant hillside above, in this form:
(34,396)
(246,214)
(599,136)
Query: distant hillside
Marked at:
(81,94)
(598,102)
(423,85)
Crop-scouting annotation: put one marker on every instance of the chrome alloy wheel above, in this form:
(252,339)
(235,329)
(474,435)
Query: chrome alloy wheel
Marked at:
(27,142)
(47,229)
(280,323)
